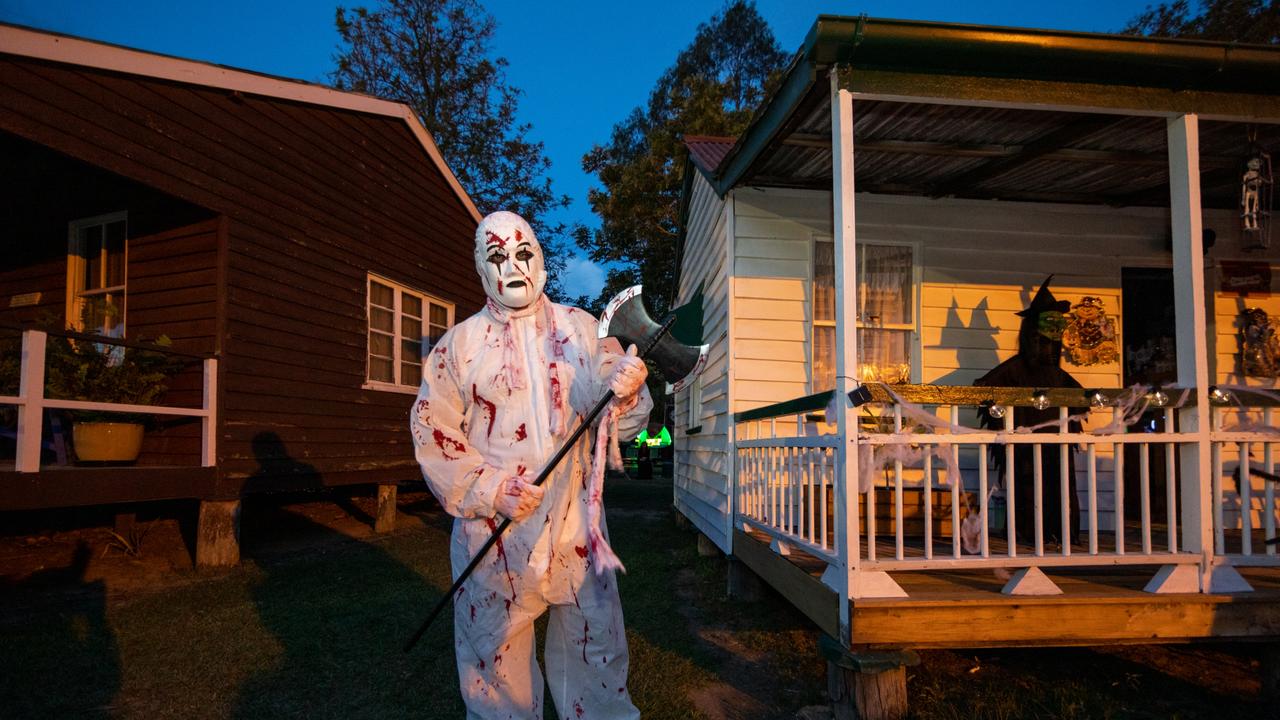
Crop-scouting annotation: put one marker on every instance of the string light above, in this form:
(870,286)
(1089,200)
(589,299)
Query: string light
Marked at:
(1040,400)
(1159,397)
(1218,395)
(1096,398)
(994,410)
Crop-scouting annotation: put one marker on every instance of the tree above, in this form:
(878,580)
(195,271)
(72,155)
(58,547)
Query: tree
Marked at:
(1247,21)
(434,56)
(714,86)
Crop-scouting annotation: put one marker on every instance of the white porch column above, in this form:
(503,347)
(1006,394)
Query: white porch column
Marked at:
(1193,353)
(31,411)
(846,500)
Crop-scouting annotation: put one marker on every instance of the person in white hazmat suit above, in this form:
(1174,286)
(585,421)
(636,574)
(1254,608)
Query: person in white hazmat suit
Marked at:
(500,393)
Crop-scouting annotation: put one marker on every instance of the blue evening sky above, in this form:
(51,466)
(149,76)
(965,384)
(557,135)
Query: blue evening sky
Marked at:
(582,65)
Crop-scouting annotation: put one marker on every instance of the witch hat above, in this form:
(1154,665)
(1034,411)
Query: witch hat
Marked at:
(1044,301)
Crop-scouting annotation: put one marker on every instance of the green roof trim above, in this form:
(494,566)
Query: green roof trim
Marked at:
(808,403)
(974,63)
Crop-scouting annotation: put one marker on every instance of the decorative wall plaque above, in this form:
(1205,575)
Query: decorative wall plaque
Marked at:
(1259,344)
(1090,335)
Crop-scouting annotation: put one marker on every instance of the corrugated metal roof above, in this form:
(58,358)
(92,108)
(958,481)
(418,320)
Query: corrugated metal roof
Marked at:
(949,135)
(934,149)
(707,151)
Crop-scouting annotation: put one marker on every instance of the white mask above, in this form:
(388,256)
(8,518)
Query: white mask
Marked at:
(509,260)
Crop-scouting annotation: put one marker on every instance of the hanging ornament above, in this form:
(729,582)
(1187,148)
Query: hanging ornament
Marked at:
(1090,335)
(1259,344)
(1256,186)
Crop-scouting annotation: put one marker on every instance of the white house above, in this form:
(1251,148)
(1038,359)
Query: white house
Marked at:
(898,199)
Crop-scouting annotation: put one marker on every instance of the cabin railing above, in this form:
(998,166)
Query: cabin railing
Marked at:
(930,496)
(31,401)
(1245,469)
(786,476)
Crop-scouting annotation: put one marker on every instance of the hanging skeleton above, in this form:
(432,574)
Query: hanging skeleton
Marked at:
(1256,187)
(1090,335)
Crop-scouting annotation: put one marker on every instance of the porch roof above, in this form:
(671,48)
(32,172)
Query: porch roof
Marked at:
(1005,113)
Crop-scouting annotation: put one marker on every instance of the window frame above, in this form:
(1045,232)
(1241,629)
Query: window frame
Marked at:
(917,276)
(399,289)
(693,400)
(77,267)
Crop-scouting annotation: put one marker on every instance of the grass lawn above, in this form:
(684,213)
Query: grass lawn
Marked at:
(314,630)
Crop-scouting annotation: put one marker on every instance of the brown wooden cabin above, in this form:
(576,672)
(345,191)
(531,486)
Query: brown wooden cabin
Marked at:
(266,223)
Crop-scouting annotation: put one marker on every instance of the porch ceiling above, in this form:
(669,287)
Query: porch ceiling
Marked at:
(997,153)
(934,114)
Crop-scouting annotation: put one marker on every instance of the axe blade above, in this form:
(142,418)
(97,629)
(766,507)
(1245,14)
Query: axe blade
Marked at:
(627,319)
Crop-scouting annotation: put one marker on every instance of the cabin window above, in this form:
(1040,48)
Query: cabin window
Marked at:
(886,313)
(694,400)
(404,324)
(97,250)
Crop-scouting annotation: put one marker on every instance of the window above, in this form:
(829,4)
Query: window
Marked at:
(886,313)
(404,325)
(96,260)
(694,400)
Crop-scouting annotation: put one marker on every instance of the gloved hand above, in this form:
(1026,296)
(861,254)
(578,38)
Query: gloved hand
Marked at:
(628,376)
(516,498)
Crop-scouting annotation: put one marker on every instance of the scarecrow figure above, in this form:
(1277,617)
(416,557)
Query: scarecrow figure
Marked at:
(1037,366)
(500,392)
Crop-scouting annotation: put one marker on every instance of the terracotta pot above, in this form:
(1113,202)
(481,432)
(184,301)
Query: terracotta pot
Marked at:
(106,441)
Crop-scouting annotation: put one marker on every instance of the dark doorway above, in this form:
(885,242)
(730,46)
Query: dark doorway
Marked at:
(1150,358)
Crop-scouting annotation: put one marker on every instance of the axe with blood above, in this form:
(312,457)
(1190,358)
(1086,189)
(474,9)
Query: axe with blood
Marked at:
(626,319)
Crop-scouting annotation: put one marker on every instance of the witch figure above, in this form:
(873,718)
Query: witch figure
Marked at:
(1036,365)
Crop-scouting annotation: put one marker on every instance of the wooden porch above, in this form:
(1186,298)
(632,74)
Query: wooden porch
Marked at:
(69,485)
(952,609)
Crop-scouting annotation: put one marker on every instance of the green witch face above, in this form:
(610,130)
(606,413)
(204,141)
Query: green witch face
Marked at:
(1051,324)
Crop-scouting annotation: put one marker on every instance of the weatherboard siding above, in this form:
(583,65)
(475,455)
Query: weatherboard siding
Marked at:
(701,457)
(980,262)
(314,198)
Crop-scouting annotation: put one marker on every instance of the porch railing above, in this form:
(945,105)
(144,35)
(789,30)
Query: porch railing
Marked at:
(1245,460)
(930,495)
(786,476)
(31,401)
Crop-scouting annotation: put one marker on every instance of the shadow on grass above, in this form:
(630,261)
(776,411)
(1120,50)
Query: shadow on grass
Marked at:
(65,663)
(340,610)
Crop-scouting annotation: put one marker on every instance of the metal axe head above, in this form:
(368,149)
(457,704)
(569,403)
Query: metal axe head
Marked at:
(626,319)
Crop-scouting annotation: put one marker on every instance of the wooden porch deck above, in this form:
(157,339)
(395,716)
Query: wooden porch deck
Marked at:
(69,485)
(963,609)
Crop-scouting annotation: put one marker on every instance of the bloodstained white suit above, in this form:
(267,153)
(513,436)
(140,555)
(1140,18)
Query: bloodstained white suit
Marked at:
(471,430)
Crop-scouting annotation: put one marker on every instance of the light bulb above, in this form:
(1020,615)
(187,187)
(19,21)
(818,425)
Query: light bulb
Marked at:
(995,411)
(1097,398)
(1218,395)
(1159,398)
(1040,400)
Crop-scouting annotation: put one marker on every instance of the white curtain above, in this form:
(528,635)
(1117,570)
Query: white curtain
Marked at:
(886,313)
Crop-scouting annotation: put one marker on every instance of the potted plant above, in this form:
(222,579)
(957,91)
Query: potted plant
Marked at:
(78,369)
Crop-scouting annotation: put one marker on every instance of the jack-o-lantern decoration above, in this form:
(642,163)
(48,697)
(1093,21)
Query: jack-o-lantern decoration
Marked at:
(1090,335)
(1260,344)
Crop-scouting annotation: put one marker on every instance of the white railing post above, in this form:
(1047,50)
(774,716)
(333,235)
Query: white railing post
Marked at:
(209,423)
(846,481)
(1193,354)
(31,411)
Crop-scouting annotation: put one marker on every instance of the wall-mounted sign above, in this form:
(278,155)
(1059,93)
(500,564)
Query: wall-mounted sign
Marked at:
(24,300)
(1090,335)
(1244,276)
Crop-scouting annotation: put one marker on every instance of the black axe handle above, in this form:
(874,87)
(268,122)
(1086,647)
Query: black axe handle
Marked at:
(542,477)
